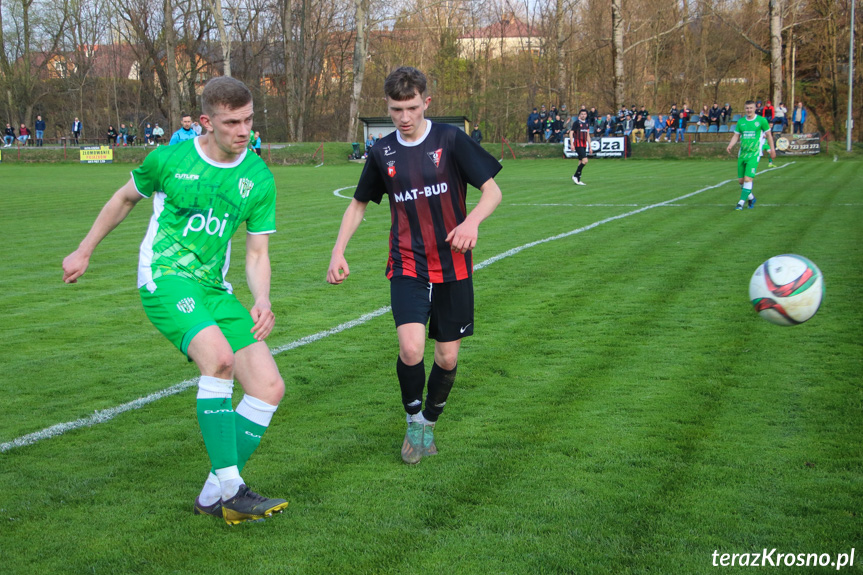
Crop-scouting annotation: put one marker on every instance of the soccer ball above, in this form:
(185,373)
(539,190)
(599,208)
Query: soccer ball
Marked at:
(786,289)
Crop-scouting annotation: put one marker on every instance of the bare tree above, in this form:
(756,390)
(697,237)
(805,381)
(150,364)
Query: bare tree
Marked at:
(362,21)
(776,49)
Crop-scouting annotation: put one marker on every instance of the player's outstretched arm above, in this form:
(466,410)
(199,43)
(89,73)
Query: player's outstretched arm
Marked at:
(733,141)
(114,212)
(258,274)
(338,270)
(463,237)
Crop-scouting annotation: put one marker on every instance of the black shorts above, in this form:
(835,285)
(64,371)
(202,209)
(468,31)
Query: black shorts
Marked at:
(449,306)
(581,151)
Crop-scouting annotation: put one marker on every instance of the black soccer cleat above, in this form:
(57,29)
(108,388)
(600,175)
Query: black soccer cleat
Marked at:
(215,509)
(247,505)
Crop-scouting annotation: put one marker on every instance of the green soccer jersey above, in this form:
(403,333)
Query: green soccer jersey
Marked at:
(198,204)
(751,136)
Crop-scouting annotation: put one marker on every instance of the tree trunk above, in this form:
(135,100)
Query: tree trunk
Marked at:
(361,49)
(560,41)
(290,56)
(776,50)
(617,52)
(224,38)
(173,79)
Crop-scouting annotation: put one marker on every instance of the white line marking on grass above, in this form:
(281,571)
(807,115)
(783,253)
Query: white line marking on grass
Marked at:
(514,251)
(338,195)
(97,417)
(108,414)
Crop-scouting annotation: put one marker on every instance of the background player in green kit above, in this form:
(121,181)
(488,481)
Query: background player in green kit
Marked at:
(751,131)
(202,190)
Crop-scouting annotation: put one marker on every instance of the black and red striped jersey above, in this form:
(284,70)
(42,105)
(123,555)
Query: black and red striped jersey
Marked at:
(426,182)
(580,132)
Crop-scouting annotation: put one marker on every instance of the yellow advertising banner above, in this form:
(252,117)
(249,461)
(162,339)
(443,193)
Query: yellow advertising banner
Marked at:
(97,155)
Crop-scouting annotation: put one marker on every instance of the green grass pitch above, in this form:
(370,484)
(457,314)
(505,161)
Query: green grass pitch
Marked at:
(622,409)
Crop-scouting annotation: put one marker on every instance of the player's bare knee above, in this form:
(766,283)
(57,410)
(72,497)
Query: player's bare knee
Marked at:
(273,390)
(223,365)
(412,353)
(446,359)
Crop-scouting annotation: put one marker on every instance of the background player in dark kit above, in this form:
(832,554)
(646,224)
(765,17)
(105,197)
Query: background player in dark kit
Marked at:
(424,169)
(579,141)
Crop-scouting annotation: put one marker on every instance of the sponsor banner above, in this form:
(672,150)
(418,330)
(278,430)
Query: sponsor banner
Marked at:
(97,155)
(798,144)
(602,147)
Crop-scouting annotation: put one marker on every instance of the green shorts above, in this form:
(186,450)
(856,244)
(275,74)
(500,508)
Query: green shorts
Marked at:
(180,308)
(747,166)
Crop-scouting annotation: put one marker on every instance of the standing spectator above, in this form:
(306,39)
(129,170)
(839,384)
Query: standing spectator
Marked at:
(769,111)
(543,114)
(476,134)
(649,124)
(112,135)
(77,128)
(564,114)
(759,108)
(185,132)
(256,143)
(799,118)
(781,116)
(640,126)
(592,117)
(40,131)
(370,141)
(148,134)
(197,127)
(530,121)
(685,115)
(8,136)
(158,133)
(123,135)
(726,113)
(23,135)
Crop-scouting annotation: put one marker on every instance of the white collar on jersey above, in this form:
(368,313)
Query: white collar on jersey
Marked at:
(419,141)
(213,162)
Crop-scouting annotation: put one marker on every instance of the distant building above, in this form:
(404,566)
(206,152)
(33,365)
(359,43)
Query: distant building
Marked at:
(507,36)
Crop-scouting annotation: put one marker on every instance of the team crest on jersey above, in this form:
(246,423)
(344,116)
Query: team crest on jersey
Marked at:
(435,156)
(186,305)
(245,185)
(391,169)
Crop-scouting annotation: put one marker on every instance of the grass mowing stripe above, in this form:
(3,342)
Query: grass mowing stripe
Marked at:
(108,414)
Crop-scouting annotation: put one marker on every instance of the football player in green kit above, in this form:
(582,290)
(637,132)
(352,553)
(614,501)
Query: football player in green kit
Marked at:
(203,189)
(751,131)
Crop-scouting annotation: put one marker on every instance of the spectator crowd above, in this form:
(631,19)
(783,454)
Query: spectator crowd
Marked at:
(637,124)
